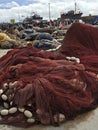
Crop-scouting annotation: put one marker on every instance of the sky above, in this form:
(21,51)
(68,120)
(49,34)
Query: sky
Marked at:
(20,9)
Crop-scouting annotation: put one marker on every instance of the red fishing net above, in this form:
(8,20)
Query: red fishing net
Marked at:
(80,40)
(43,87)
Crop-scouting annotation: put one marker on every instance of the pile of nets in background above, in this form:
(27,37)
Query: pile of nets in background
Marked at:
(81,41)
(38,86)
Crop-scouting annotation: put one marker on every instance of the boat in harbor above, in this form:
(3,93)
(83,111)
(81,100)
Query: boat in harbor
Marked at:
(72,14)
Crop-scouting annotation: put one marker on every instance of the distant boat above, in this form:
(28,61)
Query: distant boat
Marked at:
(72,14)
(36,17)
(33,18)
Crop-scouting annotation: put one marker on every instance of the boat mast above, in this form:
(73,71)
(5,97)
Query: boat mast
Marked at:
(49,12)
(75,7)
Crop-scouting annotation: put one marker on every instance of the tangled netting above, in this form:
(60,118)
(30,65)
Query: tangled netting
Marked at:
(81,41)
(45,87)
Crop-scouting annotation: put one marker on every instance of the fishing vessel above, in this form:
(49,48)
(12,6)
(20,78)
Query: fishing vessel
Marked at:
(72,14)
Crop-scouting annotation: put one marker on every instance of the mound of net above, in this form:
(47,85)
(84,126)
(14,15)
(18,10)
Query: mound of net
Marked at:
(81,40)
(43,87)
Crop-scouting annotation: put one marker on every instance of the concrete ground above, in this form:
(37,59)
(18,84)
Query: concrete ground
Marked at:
(87,121)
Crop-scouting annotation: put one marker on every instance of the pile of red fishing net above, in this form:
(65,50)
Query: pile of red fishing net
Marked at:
(44,87)
(81,40)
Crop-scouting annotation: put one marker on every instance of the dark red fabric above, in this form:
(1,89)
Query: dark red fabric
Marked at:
(49,82)
(80,40)
(90,62)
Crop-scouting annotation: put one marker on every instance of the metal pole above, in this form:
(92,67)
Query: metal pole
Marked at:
(75,6)
(49,12)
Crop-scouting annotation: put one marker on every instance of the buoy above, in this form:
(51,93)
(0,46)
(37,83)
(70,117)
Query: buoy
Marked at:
(6,105)
(4,97)
(21,109)
(13,110)
(4,112)
(28,114)
(31,120)
(1,91)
